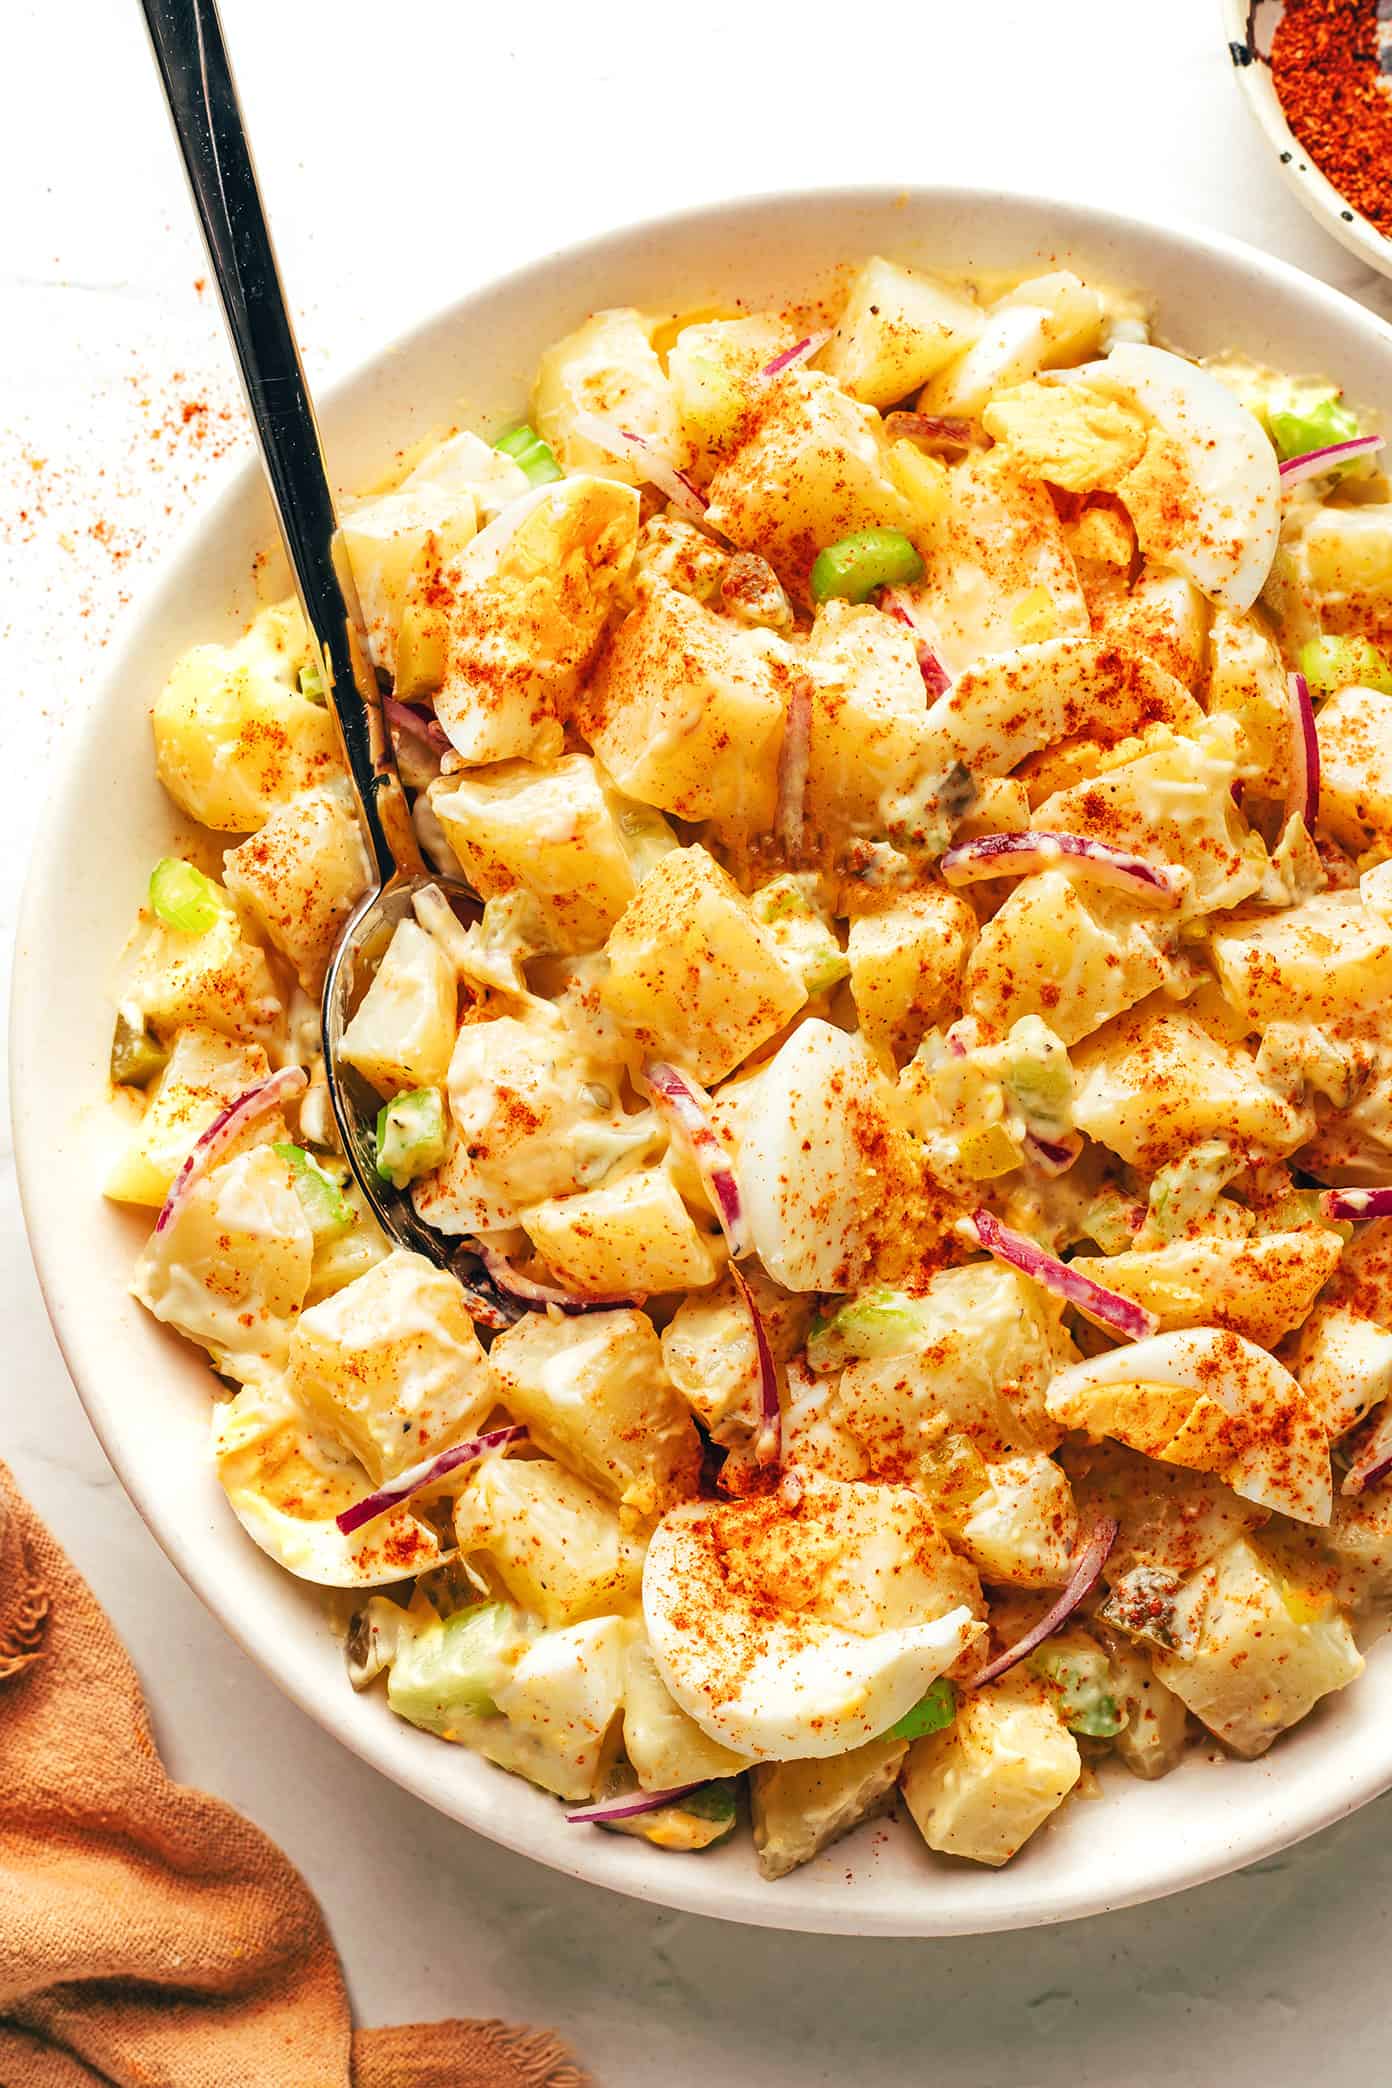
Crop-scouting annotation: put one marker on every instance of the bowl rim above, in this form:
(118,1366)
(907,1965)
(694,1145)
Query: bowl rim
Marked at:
(1326,204)
(604,1859)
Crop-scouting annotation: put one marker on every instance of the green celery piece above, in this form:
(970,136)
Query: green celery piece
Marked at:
(410,1136)
(183,897)
(445,1673)
(1086,1689)
(934,1710)
(1039,1078)
(311,683)
(852,570)
(880,1322)
(1331,664)
(326,1207)
(536,458)
(1315,427)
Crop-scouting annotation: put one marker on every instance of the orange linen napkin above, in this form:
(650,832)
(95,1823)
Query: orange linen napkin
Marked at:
(150,1937)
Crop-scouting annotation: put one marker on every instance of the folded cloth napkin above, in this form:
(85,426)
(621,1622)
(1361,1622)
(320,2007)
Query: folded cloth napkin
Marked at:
(150,1937)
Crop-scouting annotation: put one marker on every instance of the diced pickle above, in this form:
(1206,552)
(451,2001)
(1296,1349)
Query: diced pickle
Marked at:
(136,1054)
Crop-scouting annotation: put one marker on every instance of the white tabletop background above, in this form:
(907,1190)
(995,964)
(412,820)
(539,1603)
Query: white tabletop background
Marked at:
(409,150)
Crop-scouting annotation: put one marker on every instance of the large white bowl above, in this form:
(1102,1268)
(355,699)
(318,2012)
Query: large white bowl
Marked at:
(147,1393)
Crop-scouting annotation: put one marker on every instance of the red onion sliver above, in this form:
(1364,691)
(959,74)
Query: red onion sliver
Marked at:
(532,1293)
(1374,1459)
(1303,791)
(650,464)
(793,759)
(936,431)
(1122,1315)
(1087,1565)
(424,1474)
(936,679)
(1315,463)
(768,1450)
(1357,1204)
(1021,855)
(801,351)
(686,1107)
(226,1129)
(404,717)
(628,1808)
(1053,1156)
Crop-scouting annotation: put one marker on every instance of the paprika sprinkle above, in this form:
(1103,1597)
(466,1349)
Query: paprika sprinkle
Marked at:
(1325,65)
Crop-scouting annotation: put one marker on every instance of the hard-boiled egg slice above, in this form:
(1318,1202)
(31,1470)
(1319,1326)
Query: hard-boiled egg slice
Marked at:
(805,1622)
(1213,1401)
(1206,498)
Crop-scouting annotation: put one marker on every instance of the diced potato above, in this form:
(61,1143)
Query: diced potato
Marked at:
(234,737)
(1247,680)
(685,712)
(1355,742)
(693,976)
(867,723)
(1348,553)
(525,612)
(1173,806)
(906,966)
(465,464)
(300,878)
(1169,1517)
(633,1234)
(1158,1081)
(1260,1661)
(231,1267)
(1151,1743)
(555,1543)
(593,1392)
(218,979)
(1342,1355)
(665,1747)
(395,543)
(982,1786)
(402,1032)
(715,369)
(710,1354)
(1060,951)
(392,1364)
(1322,961)
(557,833)
(898,329)
(205,1071)
(561,1703)
(812,468)
(801,1808)
(1023,1531)
(999,554)
(1260,1287)
(608,367)
(1046,321)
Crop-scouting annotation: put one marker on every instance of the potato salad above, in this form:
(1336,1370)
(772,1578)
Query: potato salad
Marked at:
(908,1120)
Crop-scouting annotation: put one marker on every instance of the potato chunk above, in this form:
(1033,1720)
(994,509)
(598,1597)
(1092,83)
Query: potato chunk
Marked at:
(218,979)
(693,976)
(907,963)
(1342,1355)
(300,878)
(633,1234)
(608,367)
(403,1030)
(1355,741)
(1070,955)
(716,367)
(1261,1287)
(666,1747)
(801,1808)
(594,1393)
(1319,962)
(392,1364)
(982,1786)
(556,1544)
(867,725)
(898,329)
(685,712)
(1157,1081)
(205,1071)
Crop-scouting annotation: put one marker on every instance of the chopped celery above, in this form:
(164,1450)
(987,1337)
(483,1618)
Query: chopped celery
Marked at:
(311,683)
(410,1136)
(1084,1685)
(446,1673)
(1317,426)
(326,1207)
(801,934)
(1038,1077)
(1331,664)
(880,1322)
(851,570)
(183,897)
(137,1054)
(934,1710)
(535,458)
(1188,1188)
(1111,1221)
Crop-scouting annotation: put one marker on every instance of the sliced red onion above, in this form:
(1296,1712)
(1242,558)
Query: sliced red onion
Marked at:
(1021,855)
(936,679)
(647,461)
(629,1807)
(801,351)
(225,1130)
(424,1474)
(516,1285)
(1303,790)
(404,717)
(1053,1156)
(686,1107)
(768,1449)
(1315,463)
(1357,1204)
(1087,1566)
(793,759)
(1374,1459)
(1122,1315)
(936,431)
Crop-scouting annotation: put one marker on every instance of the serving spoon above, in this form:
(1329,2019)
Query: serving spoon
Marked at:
(202,98)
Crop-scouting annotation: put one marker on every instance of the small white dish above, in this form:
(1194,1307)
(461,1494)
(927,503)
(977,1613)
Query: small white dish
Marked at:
(148,1394)
(1248,26)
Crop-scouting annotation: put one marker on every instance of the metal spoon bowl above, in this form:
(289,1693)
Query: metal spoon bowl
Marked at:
(198,84)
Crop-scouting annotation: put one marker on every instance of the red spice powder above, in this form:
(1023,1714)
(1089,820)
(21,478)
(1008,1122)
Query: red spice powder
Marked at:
(1324,62)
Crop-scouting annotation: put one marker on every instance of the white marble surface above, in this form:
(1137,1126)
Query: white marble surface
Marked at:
(407,152)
